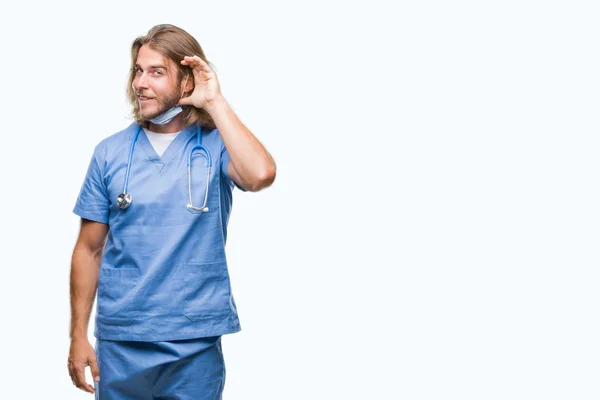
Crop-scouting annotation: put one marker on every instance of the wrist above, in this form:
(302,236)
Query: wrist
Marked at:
(78,335)
(80,339)
(215,104)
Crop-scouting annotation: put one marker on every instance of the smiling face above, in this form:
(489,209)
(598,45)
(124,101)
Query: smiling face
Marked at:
(155,83)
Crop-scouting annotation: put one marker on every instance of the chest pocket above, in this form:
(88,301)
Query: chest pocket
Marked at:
(196,186)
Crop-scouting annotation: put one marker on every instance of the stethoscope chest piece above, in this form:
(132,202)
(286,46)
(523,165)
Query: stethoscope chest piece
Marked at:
(124,200)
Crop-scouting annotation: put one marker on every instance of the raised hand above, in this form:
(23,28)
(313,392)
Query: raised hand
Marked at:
(206,83)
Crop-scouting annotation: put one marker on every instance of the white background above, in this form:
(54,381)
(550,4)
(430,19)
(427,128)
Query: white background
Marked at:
(433,229)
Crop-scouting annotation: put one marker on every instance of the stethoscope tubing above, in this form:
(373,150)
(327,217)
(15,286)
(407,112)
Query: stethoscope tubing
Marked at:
(130,158)
(125,199)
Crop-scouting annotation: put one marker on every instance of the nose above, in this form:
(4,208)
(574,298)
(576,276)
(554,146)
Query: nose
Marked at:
(140,82)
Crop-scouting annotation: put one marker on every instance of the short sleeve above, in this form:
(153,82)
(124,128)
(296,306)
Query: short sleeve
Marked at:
(93,202)
(224,164)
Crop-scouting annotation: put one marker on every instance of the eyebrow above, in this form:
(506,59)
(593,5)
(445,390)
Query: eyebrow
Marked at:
(153,66)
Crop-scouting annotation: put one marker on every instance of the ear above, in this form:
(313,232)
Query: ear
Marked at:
(188,82)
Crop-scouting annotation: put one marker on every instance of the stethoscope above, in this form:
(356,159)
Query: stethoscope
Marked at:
(124,199)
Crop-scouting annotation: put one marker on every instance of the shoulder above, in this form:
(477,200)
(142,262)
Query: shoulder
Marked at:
(115,141)
(212,135)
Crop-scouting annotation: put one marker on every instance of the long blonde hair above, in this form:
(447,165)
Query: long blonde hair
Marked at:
(173,43)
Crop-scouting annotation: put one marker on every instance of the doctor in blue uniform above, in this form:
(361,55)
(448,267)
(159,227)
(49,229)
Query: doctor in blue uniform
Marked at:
(154,228)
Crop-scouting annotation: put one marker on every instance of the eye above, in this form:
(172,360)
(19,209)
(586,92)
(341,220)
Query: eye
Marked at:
(158,72)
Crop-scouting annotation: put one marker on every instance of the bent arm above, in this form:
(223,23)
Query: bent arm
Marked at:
(250,164)
(85,267)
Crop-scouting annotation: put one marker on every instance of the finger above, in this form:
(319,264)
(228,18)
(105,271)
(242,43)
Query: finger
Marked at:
(197,70)
(202,64)
(197,63)
(190,61)
(72,378)
(71,368)
(80,379)
(94,368)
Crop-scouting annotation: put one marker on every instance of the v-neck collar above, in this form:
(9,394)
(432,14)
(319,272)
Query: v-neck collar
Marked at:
(174,147)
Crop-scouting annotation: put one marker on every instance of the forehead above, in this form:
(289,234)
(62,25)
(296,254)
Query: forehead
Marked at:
(147,58)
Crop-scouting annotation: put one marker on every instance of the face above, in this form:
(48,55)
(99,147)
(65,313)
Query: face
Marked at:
(155,83)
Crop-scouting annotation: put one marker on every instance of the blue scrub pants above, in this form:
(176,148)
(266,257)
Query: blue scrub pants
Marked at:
(172,370)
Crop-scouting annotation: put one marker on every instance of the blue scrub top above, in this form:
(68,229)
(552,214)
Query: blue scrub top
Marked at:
(163,274)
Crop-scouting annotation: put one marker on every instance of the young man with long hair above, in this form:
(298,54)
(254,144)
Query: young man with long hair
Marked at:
(154,208)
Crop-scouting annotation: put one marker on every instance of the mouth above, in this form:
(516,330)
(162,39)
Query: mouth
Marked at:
(144,99)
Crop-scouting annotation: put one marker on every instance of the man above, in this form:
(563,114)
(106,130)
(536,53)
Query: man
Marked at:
(156,254)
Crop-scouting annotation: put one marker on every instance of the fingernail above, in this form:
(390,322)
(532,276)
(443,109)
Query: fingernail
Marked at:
(97,379)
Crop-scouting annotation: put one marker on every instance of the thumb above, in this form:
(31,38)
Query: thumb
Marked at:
(185,101)
(94,368)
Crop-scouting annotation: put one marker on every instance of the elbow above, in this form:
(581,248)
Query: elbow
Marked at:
(265,179)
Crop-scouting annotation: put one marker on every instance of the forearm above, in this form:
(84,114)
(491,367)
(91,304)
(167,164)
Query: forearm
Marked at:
(85,266)
(249,157)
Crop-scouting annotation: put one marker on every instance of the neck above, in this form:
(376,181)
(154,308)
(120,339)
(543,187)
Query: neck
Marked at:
(175,125)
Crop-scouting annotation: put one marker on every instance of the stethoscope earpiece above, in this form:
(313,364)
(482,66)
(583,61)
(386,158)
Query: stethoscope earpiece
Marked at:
(191,207)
